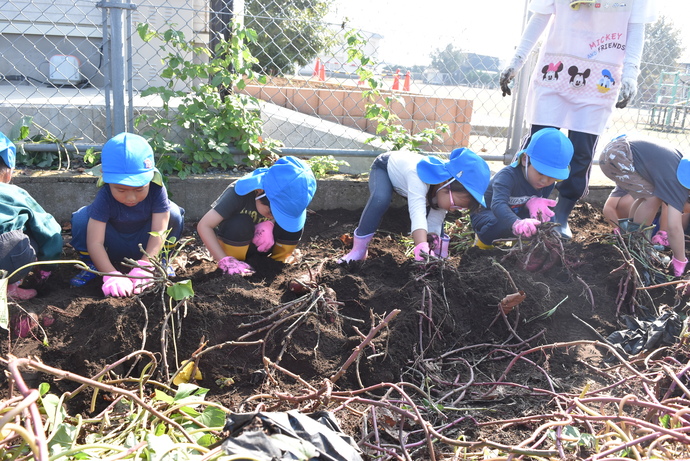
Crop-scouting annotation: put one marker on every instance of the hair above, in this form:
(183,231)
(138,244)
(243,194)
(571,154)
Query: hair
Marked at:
(3,166)
(455,186)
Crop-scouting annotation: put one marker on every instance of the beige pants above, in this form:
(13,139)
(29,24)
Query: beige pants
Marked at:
(616,162)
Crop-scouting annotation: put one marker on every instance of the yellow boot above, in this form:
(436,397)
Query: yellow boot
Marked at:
(482,245)
(237,252)
(282,251)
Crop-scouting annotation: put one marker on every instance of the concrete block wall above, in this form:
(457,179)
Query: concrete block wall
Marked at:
(63,193)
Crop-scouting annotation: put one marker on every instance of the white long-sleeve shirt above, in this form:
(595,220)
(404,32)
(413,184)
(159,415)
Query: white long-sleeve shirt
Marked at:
(402,171)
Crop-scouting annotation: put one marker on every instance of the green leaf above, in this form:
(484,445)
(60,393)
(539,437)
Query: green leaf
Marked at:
(62,439)
(180,290)
(55,413)
(665,421)
(212,417)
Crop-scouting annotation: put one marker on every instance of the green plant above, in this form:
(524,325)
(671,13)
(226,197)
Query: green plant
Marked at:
(322,165)
(388,125)
(461,233)
(20,134)
(572,438)
(218,119)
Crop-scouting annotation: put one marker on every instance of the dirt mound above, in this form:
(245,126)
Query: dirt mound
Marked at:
(448,316)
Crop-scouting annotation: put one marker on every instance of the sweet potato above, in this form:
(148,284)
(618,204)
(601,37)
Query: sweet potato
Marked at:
(302,284)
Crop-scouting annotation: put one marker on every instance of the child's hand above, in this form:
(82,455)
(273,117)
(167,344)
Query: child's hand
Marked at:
(540,208)
(140,284)
(660,238)
(525,227)
(232,266)
(263,236)
(117,286)
(420,248)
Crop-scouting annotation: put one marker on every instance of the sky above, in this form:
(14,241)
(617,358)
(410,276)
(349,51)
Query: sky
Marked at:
(413,30)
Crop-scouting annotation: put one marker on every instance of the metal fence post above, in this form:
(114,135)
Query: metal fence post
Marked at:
(118,62)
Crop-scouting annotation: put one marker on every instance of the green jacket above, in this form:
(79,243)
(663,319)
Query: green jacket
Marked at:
(19,211)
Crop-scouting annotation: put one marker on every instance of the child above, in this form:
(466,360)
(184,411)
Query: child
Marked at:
(517,196)
(433,187)
(131,204)
(654,174)
(28,232)
(586,43)
(263,211)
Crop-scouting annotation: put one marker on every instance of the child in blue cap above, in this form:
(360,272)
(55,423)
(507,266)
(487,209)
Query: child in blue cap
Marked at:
(653,173)
(27,232)
(517,199)
(263,211)
(433,187)
(132,202)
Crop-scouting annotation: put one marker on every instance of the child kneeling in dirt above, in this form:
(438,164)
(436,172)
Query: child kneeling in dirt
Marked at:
(263,211)
(433,187)
(130,209)
(518,196)
(29,233)
(653,173)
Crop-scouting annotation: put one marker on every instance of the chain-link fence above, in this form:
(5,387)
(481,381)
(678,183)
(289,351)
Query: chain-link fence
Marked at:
(75,72)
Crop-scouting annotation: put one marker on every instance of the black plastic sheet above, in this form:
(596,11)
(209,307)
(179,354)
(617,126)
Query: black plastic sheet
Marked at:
(291,435)
(647,332)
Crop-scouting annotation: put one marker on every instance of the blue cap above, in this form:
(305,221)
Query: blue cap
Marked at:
(683,172)
(8,151)
(289,185)
(127,159)
(550,152)
(468,168)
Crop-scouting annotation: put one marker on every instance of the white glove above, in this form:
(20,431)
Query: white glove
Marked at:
(628,91)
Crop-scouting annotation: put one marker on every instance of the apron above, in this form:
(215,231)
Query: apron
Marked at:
(576,81)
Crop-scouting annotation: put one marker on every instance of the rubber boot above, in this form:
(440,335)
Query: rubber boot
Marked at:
(84,276)
(20,294)
(359,249)
(481,245)
(281,251)
(624,224)
(562,212)
(239,252)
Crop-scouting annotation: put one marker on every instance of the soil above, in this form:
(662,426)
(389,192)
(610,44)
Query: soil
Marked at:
(445,306)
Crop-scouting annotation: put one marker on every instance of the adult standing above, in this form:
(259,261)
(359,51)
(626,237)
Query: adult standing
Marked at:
(589,61)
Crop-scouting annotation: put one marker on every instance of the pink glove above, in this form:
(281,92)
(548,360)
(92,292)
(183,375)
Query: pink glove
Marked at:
(140,284)
(525,227)
(43,275)
(439,246)
(661,238)
(420,248)
(231,266)
(263,236)
(117,286)
(539,208)
(678,266)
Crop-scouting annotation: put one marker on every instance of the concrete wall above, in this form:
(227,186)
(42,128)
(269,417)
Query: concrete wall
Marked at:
(63,193)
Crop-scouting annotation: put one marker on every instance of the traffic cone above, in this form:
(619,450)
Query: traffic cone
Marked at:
(406,85)
(396,80)
(317,67)
(322,72)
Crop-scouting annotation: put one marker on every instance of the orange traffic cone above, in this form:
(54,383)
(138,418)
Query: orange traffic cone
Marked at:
(406,85)
(317,67)
(396,80)
(322,73)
